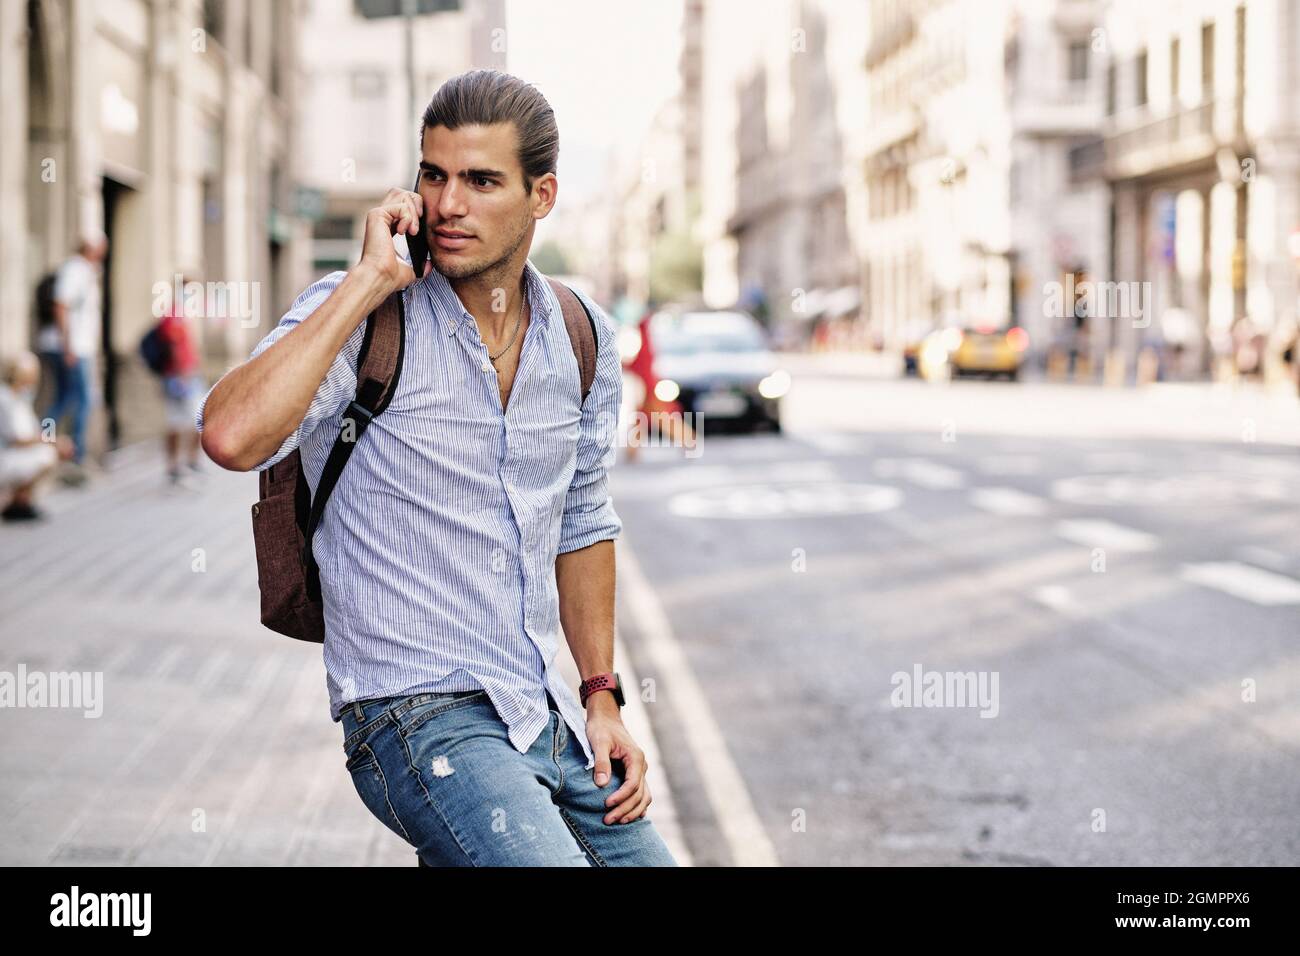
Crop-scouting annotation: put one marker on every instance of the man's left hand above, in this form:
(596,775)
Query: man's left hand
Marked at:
(610,740)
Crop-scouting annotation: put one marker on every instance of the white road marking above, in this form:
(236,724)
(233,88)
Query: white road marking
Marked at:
(723,784)
(1057,598)
(1007,501)
(654,483)
(1243,581)
(1106,534)
(1265,557)
(785,499)
(921,472)
(1199,489)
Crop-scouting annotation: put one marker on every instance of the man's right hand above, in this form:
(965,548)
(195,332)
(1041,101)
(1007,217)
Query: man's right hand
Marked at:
(399,212)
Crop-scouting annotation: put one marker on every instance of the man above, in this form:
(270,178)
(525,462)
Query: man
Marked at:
(25,456)
(183,388)
(73,339)
(472,520)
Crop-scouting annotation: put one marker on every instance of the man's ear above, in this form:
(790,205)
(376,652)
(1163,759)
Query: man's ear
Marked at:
(545,191)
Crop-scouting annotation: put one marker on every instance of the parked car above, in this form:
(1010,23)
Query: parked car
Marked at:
(719,365)
(973,350)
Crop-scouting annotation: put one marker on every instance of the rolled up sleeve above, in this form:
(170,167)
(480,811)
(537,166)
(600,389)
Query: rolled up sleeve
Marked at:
(589,514)
(340,382)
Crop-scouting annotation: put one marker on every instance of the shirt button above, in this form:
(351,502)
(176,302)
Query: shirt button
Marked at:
(486,366)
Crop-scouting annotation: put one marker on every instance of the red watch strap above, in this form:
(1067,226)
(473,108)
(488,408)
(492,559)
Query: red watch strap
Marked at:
(593,684)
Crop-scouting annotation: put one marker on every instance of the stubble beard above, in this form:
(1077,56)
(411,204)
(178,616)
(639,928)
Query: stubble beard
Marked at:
(460,270)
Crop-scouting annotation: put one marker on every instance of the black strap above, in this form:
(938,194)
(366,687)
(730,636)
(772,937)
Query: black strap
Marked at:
(366,405)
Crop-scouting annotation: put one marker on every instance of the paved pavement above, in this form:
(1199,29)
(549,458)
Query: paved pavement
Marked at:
(214,746)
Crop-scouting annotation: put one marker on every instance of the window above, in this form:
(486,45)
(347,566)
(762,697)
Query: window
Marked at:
(1110,89)
(1207,62)
(213,21)
(1141,68)
(373,9)
(333,227)
(1173,69)
(1078,61)
(1241,50)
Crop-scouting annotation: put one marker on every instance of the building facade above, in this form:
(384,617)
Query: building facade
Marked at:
(1201,156)
(168,125)
(974,110)
(781,126)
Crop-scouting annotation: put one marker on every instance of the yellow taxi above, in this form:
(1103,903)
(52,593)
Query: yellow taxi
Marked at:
(977,350)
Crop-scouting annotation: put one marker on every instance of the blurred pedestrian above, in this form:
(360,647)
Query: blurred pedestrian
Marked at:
(25,457)
(1248,344)
(183,388)
(653,412)
(74,339)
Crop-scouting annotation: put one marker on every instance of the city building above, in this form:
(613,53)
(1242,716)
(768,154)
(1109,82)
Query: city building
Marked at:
(974,110)
(169,125)
(781,125)
(1201,154)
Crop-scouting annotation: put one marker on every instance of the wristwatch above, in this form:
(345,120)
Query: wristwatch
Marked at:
(610,682)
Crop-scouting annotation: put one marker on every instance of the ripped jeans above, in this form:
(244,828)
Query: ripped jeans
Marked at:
(439,771)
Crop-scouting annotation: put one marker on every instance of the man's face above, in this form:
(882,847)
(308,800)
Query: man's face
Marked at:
(96,251)
(472,184)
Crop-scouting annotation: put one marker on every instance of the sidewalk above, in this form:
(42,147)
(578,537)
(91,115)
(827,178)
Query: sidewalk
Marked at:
(214,746)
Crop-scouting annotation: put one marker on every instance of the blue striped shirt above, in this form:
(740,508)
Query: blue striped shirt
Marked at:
(437,548)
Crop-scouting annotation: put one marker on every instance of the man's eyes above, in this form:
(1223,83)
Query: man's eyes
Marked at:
(481,181)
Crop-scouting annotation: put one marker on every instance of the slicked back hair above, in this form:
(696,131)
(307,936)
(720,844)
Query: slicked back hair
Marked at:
(484,97)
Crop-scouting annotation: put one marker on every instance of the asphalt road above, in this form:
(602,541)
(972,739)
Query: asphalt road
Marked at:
(1118,567)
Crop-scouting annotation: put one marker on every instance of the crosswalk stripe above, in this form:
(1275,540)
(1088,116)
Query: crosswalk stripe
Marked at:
(1008,501)
(1096,533)
(1243,581)
(927,474)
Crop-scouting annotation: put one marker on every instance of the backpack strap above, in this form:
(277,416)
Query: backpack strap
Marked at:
(582,332)
(379,367)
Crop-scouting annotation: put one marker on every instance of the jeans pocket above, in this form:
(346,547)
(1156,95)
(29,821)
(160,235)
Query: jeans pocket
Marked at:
(372,787)
(423,707)
(360,758)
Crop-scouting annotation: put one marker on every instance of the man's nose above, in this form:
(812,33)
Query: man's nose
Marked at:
(451,203)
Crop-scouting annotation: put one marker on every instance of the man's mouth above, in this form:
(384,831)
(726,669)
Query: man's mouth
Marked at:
(451,238)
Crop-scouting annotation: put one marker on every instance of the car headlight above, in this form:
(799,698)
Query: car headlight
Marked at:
(629,343)
(666,390)
(775,385)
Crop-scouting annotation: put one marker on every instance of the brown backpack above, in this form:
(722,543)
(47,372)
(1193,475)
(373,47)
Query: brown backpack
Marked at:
(287,514)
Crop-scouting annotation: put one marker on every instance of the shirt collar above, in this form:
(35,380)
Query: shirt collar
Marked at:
(451,312)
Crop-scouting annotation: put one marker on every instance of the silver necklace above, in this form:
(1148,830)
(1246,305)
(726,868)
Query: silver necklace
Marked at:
(519,320)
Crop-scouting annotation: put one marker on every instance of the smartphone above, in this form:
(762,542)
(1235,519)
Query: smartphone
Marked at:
(418,245)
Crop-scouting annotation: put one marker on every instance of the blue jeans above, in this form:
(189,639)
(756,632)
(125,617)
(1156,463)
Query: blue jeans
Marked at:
(72,392)
(439,771)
